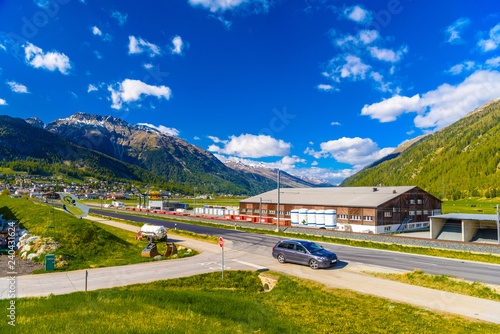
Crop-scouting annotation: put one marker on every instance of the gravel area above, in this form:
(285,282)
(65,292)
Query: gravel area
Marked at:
(22,267)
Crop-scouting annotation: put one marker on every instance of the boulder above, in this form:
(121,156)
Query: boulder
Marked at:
(32,256)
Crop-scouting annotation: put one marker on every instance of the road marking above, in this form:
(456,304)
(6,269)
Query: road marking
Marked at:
(249,264)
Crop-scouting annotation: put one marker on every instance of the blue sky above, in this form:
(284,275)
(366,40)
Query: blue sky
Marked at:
(315,87)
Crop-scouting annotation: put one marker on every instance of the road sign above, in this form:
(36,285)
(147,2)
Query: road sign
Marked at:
(221,242)
(221,245)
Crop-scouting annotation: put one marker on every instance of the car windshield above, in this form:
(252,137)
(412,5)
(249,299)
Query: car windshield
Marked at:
(312,247)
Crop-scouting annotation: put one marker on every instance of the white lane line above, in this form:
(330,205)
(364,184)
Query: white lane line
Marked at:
(249,264)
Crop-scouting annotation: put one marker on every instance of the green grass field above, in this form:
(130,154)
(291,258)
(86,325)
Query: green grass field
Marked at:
(443,283)
(83,244)
(472,205)
(237,304)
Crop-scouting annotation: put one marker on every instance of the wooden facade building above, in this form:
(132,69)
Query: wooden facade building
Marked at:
(358,209)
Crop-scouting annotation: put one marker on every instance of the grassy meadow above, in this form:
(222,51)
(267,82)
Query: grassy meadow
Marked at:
(237,304)
(472,205)
(83,244)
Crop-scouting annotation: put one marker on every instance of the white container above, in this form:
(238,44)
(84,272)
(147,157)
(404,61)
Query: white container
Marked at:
(294,217)
(311,218)
(320,218)
(330,218)
(302,217)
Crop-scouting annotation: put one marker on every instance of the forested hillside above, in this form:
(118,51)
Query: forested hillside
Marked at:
(458,161)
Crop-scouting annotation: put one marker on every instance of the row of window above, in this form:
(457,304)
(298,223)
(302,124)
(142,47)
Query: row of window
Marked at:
(354,217)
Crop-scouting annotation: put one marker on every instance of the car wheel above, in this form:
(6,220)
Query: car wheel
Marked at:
(313,264)
(281,258)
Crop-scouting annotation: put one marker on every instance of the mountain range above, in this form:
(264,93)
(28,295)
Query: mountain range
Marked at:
(144,150)
(460,160)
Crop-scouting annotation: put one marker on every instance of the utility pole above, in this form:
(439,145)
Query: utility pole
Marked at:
(498,225)
(278,206)
(260,210)
(194,206)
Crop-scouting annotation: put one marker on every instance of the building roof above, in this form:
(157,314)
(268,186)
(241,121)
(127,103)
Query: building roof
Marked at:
(335,196)
(467,216)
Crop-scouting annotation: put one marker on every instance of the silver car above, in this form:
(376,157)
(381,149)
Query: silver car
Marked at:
(304,252)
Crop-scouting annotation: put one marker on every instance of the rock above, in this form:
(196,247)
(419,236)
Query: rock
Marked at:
(23,255)
(157,257)
(27,248)
(32,256)
(32,239)
(189,250)
(180,248)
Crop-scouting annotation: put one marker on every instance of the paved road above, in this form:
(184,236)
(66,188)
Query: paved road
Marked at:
(470,271)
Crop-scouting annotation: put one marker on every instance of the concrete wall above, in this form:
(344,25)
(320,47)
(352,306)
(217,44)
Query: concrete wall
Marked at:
(436,226)
(469,229)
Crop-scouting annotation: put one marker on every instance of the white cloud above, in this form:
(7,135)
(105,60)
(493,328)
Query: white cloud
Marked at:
(139,45)
(335,123)
(387,54)
(325,88)
(50,61)
(132,90)
(455,29)
(364,37)
(368,36)
(223,5)
(121,18)
(493,62)
(3,47)
(162,129)
(358,14)
(464,66)
(148,66)
(96,31)
(347,66)
(354,151)
(3,102)
(440,107)
(382,85)
(97,54)
(17,87)
(389,109)
(91,88)
(196,138)
(178,45)
(217,140)
(492,43)
(252,146)
(314,163)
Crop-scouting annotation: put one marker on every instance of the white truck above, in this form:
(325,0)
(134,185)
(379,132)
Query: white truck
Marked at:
(118,205)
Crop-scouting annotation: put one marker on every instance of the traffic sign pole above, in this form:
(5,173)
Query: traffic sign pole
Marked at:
(221,245)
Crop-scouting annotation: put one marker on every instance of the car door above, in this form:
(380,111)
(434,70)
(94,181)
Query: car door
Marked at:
(301,254)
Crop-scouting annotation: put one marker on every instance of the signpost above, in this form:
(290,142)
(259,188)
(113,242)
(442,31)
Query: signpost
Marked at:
(221,245)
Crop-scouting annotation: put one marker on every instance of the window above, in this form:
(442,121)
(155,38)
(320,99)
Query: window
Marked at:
(426,212)
(272,212)
(281,212)
(287,213)
(387,228)
(412,201)
(355,217)
(387,214)
(264,211)
(412,213)
(368,218)
(299,248)
(419,212)
(343,217)
(395,209)
(419,201)
(256,210)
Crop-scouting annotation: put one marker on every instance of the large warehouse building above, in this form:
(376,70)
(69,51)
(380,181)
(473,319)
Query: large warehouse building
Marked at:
(357,209)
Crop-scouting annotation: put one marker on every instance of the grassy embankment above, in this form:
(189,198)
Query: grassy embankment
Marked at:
(237,304)
(443,283)
(83,244)
(218,201)
(463,255)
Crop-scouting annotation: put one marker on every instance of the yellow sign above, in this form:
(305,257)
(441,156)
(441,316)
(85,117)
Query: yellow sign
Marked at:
(73,205)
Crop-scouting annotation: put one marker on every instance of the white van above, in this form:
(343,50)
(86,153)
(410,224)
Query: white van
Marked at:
(118,205)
